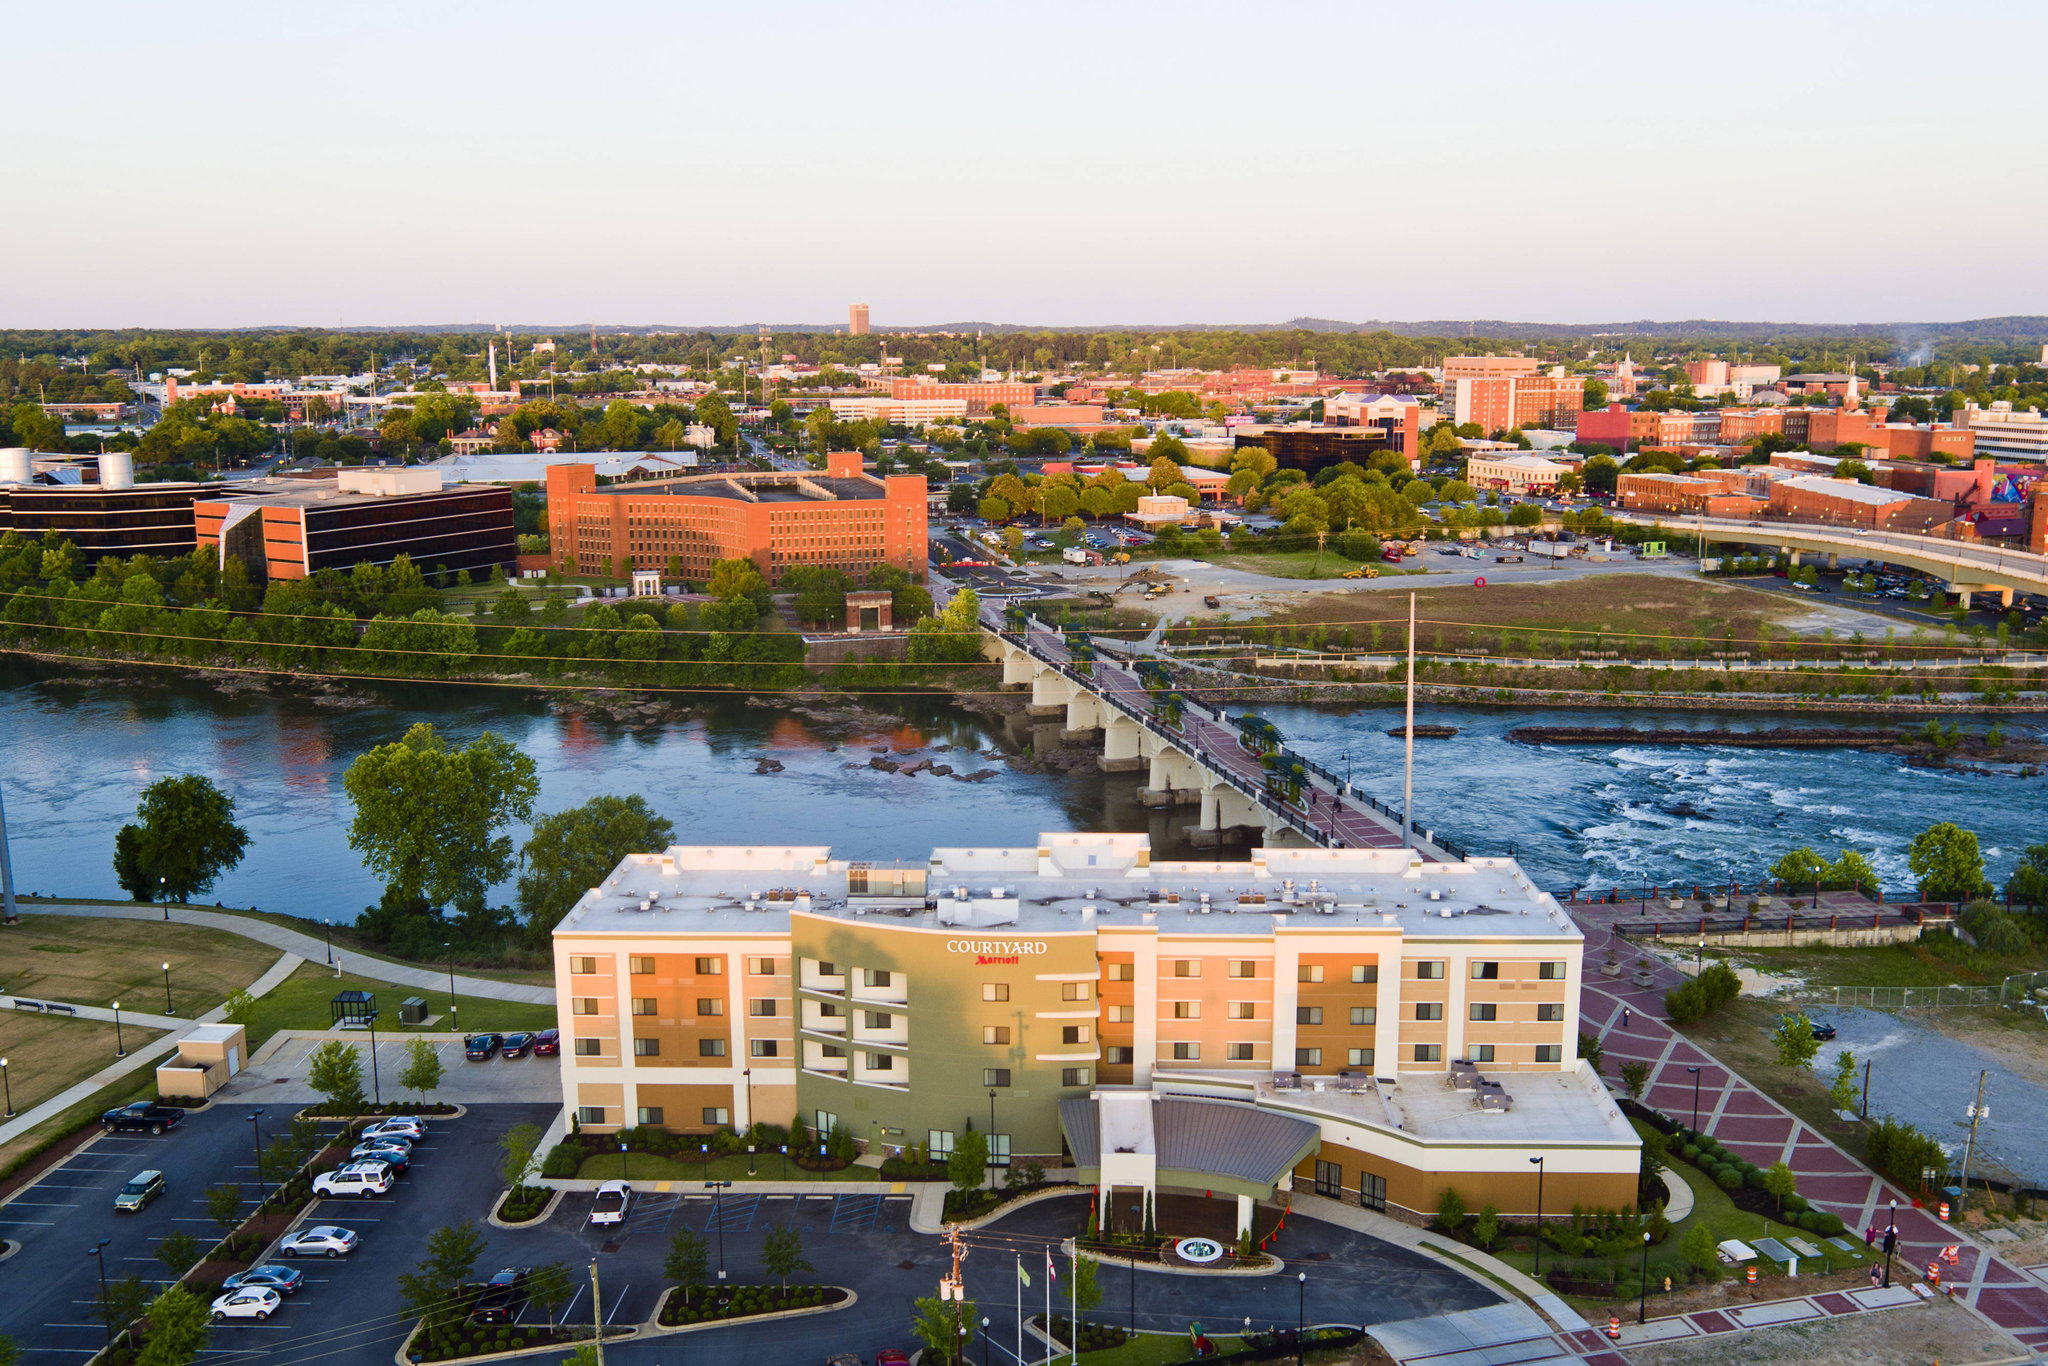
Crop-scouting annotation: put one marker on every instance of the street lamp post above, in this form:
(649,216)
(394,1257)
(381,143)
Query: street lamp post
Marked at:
(984,1340)
(1695,1099)
(1891,1241)
(163,891)
(718,1218)
(327,935)
(1300,1315)
(1643,1289)
(168,1009)
(98,1252)
(991,1138)
(1537,1163)
(376,1084)
(120,1048)
(8,1087)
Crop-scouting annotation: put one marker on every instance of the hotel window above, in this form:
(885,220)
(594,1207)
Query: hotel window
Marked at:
(875,977)
(1358,1057)
(999,1150)
(1365,972)
(827,968)
(764,1048)
(1429,1052)
(828,1010)
(995,1076)
(1482,1052)
(647,1048)
(1187,1052)
(1118,972)
(833,1050)
(650,1114)
(584,965)
(1237,1052)
(717,1115)
(1430,969)
(706,1005)
(1485,972)
(1187,1010)
(995,991)
(590,1114)
(1118,1055)
(640,965)
(996,1034)
(711,1048)
(1552,971)
(1119,1014)
(1243,967)
(644,1005)
(1309,972)
(1308,1057)
(1073,1076)
(1244,1010)
(877,1019)
(1308,1015)
(710,967)
(589,1048)
(1551,1013)
(1549,1052)
(1365,1015)
(763,1007)
(881,1062)
(761,967)
(940,1143)
(1187,967)
(1484,1010)
(1074,1034)
(1429,1010)
(584,1005)
(1073,991)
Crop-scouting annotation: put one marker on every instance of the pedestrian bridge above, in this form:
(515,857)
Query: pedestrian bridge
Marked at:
(1235,770)
(1964,567)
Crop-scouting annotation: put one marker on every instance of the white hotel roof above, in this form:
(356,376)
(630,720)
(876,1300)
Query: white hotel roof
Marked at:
(1073,883)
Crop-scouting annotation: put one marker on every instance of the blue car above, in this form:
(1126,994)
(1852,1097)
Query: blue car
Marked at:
(285,1280)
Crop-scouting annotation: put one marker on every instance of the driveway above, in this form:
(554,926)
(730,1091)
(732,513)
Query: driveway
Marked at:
(277,1074)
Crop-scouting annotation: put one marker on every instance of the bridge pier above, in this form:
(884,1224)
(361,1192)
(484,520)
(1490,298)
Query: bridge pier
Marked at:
(1962,596)
(1172,779)
(1050,693)
(1019,668)
(1121,744)
(1085,712)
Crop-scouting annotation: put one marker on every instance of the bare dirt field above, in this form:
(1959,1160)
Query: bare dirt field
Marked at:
(1935,1331)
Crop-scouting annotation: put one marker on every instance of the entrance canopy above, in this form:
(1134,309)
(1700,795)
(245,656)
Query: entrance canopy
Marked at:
(1135,1138)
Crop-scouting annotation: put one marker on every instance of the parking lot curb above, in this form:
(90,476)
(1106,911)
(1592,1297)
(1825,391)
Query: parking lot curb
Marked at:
(459,1111)
(1275,1265)
(1008,1207)
(400,1358)
(546,1211)
(653,1327)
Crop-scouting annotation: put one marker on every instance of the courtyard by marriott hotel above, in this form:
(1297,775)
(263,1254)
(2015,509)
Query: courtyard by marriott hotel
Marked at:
(1359,1022)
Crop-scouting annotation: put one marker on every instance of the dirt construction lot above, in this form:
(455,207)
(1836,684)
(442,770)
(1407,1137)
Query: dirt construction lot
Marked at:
(1937,1331)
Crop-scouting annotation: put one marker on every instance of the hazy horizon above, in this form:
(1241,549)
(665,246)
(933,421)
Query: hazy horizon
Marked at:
(1584,161)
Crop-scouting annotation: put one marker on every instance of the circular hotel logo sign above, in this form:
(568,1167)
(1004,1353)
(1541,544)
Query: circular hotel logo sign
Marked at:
(1200,1251)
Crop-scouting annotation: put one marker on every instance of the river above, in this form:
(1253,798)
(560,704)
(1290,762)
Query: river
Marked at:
(75,755)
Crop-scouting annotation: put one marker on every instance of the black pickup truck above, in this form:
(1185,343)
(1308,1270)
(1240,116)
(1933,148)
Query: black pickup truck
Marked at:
(143,1117)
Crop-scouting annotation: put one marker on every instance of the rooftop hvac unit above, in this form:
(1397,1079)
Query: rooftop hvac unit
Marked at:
(959,894)
(1436,894)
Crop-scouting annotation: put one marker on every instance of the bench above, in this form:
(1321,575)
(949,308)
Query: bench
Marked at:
(50,1007)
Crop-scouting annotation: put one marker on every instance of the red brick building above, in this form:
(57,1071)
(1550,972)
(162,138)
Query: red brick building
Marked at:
(1502,402)
(841,519)
(1827,428)
(291,527)
(979,395)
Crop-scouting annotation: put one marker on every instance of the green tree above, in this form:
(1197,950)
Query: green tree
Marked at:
(335,1070)
(1486,1226)
(516,1147)
(422,1074)
(1450,1211)
(1780,1182)
(178,1251)
(551,1285)
(1794,1040)
(428,818)
(688,1263)
(1701,1248)
(1590,1049)
(967,1167)
(450,1261)
(2028,885)
(1854,872)
(239,1007)
(125,1300)
(736,578)
(782,1253)
(1945,860)
(571,851)
(184,838)
(177,1329)
(1086,1290)
(1525,514)
(938,1325)
(1635,1076)
(1842,1090)
(224,1205)
(1800,868)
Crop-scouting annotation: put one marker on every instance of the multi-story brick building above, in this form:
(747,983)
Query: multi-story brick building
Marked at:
(1504,402)
(289,528)
(1827,428)
(1517,472)
(840,519)
(980,395)
(1388,1028)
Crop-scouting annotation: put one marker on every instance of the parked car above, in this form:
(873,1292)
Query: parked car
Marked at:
(610,1205)
(321,1240)
(1822,1030)
(285,1280)
(143,1116)
(547,1043)
(250,1302)
(394,1155)
(140,1190)
(398,1126)
(362,1179)
(481,1047)
(516,1045)
(889,1356)
(504,1295)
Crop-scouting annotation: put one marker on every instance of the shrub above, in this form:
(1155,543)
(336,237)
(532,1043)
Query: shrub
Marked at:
(1727,1178)
(563,1160)
(1450,1211)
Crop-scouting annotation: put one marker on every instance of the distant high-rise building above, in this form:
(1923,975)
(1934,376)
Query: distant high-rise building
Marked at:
(857,320)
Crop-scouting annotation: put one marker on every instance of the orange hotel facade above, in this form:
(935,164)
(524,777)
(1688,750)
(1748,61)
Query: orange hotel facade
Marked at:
(841,518)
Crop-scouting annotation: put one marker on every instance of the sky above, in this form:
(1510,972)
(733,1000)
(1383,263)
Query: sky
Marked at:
(1119,161)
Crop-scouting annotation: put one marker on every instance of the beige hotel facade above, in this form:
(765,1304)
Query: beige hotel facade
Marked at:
(1359,1023)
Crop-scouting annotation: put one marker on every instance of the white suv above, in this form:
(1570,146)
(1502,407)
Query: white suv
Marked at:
(357,1178)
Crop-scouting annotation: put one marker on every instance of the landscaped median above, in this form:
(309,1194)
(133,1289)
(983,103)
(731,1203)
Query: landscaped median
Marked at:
(713,1306)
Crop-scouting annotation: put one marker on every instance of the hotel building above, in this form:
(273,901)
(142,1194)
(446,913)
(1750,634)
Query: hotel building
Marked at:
(1359,1022)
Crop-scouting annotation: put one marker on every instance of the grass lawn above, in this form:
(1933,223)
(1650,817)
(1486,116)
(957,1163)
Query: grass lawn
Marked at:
(92,962)
(732,1167)
(1298,564)
(47,1053)
(301,1002)
(1884,965)
(1154,1349)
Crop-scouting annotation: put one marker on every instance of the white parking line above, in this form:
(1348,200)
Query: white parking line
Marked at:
(29,1223)
(53,1204)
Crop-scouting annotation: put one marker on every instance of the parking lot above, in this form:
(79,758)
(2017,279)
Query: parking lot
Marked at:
(277,1074)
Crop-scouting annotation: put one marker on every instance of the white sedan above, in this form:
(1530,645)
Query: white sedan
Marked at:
(248,1302)
(321,1240)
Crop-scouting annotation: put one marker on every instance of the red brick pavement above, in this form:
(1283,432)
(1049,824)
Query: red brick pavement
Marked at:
(1750,1123)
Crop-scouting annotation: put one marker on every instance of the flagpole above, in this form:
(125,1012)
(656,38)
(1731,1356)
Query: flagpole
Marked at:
(1049,1279)
(1074,1306)
(1020,1309)
(1408,739)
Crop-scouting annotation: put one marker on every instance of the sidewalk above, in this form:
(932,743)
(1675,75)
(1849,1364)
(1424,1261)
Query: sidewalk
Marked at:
(1800,1309)
(307,946)
(138,1058)
(1752,1124)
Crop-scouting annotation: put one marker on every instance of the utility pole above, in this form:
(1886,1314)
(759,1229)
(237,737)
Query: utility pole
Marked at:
(1979,1112)
(954,1287)
(596,1313)
(1408,740)
(9,912)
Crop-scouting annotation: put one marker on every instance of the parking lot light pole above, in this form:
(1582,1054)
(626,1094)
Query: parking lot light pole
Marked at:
(256,1141)
(625,1171)
(98,1252)
(6,1086)
(1695,1100)
(1643,1289)
(718,1218)
(376,1085)
(162,890)
(1537,1163)
(1300,1314)
(991,1138)
(120,1048)
(168,1010)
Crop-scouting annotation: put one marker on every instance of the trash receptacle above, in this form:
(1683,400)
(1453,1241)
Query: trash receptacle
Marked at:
(412,1010)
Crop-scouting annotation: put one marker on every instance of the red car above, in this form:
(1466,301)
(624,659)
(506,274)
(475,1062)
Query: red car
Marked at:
(547,1043)
(889,1356)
